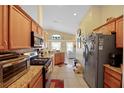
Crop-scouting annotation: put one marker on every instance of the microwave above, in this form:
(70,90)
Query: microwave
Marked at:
(36,40)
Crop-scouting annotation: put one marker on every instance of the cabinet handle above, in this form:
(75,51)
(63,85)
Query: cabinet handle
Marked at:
(5,43)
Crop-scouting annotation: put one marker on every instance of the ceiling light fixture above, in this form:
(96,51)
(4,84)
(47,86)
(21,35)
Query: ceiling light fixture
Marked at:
(75,14)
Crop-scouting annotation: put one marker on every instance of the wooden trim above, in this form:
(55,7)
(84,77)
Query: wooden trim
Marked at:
(23,12)
(107,23)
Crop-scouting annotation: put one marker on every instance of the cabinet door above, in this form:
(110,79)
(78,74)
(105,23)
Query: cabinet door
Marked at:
(119,33)
(34,27)
(3,27)
(40,31)
(20,29)
(62,58)
(38,83)
(111,26)
(57,58)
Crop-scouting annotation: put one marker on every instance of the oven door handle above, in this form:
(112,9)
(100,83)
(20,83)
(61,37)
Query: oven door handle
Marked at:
(13,63)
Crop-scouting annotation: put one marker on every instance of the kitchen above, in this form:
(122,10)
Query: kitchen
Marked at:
(26,59)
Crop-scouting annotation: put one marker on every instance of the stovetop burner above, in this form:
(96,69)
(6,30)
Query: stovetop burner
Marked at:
(39,61)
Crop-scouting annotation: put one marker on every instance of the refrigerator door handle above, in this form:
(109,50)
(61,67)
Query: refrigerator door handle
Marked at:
(86,53)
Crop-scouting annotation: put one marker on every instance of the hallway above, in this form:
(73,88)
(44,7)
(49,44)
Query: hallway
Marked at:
(66,73)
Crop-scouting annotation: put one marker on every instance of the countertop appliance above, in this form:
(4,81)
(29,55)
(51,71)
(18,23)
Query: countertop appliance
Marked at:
(115,59)
(36,40)
(97,49)
(12,68)
(46,63)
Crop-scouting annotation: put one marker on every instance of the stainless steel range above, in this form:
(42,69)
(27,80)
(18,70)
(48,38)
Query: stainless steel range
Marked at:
(46,63)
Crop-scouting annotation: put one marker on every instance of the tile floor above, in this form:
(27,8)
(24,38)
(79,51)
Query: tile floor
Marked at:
(65,72)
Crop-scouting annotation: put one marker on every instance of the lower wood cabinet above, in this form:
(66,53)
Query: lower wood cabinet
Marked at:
(112,77)
(37,81)
(59,58)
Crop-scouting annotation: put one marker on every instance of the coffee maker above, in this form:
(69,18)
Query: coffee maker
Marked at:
(115,59)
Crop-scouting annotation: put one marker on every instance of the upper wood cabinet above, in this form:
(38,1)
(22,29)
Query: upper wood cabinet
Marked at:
(3,27)
(106,28)
(19,29)
(111,26)
(119,32)
(40,31)
(37,29)
(34,27)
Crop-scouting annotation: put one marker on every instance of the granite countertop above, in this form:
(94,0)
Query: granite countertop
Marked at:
(116,69)
(26,78)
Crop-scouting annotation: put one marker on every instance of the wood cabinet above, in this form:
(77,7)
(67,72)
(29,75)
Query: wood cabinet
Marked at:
(112,77)
(37,29)
(34,27)
(116,25)
(40,31)
(15,28)
(59,58)
(111,26)
(19,29)
(37,81)
(3,27)
(119,32)
(106,28)
(62,57)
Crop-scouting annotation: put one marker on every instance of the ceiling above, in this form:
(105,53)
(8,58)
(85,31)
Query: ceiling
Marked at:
(64,18)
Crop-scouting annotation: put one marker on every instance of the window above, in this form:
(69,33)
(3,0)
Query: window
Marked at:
(56,45)
(69,46)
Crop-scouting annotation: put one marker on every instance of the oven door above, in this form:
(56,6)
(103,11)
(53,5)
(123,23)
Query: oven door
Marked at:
(12,71)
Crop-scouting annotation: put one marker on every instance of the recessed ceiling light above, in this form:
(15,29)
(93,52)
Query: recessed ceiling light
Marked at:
(74,14)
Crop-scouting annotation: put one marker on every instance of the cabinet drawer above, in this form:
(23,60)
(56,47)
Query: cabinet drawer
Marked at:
(113,73)
(111,81)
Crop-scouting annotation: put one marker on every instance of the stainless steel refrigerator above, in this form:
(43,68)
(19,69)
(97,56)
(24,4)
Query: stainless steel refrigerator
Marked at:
(97,49)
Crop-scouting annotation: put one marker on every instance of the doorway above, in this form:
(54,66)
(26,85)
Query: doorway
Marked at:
(70,49)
